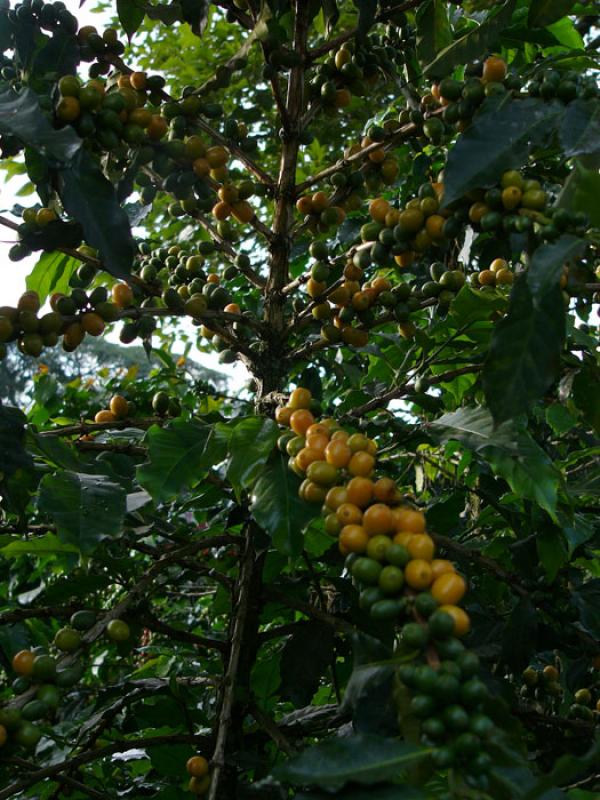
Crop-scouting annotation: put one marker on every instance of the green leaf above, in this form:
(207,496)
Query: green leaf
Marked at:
(567,34)
(331,14)
(178,456)
(545,12)
(277,508)
(560,418)
(565,770)
(252,441)
(12,440)
(472,44)
(509,450)
(51,274)
(585,400)
(85,508)
(520,634)
(471,305)
(551,551)
(580,129)
(433,30)
(47,545)
(131,15)
(499,138)
(195,13)
(91,199)
(548,261)
(587,600)
(360,758)
(367,9)
(525,350)
(167,759)
(304,659)
(388,791)
(580,191)
(474,428)
(21,116)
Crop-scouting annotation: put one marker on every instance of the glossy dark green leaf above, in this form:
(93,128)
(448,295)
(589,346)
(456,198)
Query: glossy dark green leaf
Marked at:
(545,12)
(509,449)
(366,697)
(195,13)
(306,655)
(580,129)
(433,30)
(473,44)
(91,199)
(581,189)
(524,354)
(548,261)
(85,508)
(252,441)
(178,456)
(587,599)
(566,770)
(499,138)
(12,440)
(388,791)
(367,9)
(552,551)
(5,33)
(21,116)
(167,759)
(520,633)
(586,400)
(131,15)
(331,14)
(47,545)
(51,274)
(359,758)
(277,508)
(471,305)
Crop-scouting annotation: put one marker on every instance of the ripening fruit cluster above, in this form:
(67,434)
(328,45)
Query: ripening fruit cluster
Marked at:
(319,212)
(396,235)
(390,552)
(543,685)
(110,114)
(44,677)
(198,769)
(119,408)
(190,288)
(498,274)
(392,560)
(355,70)
(347,310)
(71,317)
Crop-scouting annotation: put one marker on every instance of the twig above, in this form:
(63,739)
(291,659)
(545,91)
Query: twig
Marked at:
(271,727)
(229,690)
(95,755)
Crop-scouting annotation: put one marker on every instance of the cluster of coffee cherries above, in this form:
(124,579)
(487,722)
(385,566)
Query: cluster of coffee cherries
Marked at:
(354,69)
(71,317)
(498,274)
(119,408)
(392,560)
(319,212)
(44,676)
(565,84)
(109,114)
(198,769)
(348,306)
(542,685)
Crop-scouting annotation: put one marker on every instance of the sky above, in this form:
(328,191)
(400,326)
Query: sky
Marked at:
(13,274)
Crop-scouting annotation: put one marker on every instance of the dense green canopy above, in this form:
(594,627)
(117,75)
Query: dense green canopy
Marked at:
(373,570)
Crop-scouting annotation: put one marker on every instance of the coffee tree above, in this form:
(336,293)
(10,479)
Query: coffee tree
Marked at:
(372,572)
